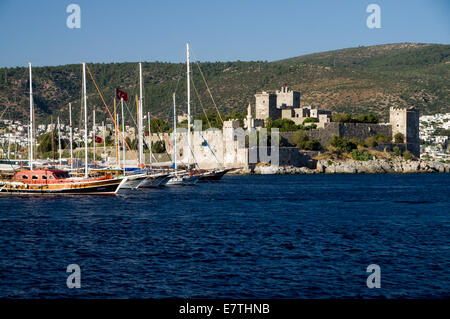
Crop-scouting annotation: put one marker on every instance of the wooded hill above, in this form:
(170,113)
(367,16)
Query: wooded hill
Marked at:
(356,80)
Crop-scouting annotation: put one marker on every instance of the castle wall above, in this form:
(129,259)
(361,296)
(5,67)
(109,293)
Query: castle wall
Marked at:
(290,156)
(228,152)
(361,131)
(225,149)
(325,135)
(358,131)
(287,113)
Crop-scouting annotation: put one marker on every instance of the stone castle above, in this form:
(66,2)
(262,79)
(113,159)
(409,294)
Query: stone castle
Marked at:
(223,149)
(285,104)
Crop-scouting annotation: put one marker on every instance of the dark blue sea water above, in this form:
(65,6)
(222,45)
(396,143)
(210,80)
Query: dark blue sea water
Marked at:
(305,236)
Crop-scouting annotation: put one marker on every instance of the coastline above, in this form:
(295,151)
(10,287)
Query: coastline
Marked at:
(376,166)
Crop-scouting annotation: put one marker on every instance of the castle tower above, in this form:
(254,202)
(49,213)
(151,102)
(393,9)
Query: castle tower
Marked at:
(266,106)
(287,99)
(406,121)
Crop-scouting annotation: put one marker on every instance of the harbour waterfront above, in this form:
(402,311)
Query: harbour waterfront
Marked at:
(254,236)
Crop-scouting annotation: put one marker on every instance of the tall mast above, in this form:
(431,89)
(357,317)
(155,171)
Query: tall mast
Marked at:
(141,155)
(174,134)
(53,138)
(150,137)
(188,102)
(9,146)
(104,139)
(31,119)
(123,142)
(59,142)
(118,140)
(93,130)
(71,136)
(85,124)
(28,146)
(115,134)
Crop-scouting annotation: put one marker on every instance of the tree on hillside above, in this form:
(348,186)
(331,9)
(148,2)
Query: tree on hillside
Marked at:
(303,142)
(361,118)
(158,147)
(342,144)
(158,126)
(285,125)
(45,142)
(309,120)
(399,138)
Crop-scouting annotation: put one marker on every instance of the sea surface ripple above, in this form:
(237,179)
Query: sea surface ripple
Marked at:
(303,236)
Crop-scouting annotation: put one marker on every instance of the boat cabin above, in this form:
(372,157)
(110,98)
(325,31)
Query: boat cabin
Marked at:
(41,176)
(107,173)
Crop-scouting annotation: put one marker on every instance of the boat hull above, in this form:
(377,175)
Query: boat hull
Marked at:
(154,181)
(213,176)
(134,181)
(183,180)
(99,187)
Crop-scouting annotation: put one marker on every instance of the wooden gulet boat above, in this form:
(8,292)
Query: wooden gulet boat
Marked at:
(50,181)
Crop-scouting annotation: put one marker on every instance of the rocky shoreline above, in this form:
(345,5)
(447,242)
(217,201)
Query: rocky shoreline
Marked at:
(376,166)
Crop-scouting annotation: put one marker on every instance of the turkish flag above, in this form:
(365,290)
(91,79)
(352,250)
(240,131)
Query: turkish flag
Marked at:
(98,139)
(121,95)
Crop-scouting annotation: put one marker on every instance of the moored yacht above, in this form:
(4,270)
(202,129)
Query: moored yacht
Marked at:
(183,180)
(51,181)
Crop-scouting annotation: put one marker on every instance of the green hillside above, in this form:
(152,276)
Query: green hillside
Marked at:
(356,80)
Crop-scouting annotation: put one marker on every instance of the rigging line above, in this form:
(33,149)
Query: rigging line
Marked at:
(181,75)
(9,160)
(201,135)
(167,141)
(131,115)
(207,87)
(201,104)
(159,127)
(129,112)
(178,82)
(142,106)
(7,107)
(114,120)
(192,152)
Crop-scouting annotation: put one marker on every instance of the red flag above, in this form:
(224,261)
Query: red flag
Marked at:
(121,94)
(98,139)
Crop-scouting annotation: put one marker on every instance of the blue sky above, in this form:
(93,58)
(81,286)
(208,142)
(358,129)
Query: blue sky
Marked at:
(227,30)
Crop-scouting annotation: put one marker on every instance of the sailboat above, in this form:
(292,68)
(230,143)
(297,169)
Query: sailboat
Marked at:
(53,181)
(182,178)
(187,177)
(137,177)
(134,175)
